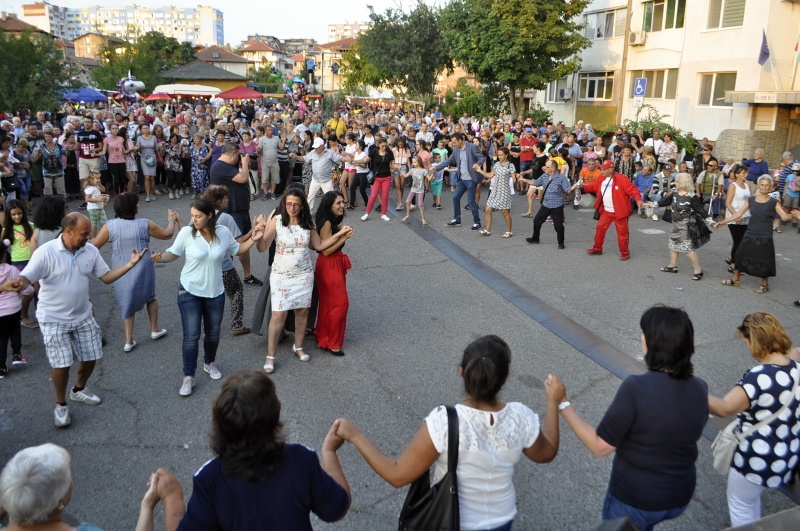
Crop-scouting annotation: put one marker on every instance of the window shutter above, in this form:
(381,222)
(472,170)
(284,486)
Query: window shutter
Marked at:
(733,15)
(714,12)
(619,22)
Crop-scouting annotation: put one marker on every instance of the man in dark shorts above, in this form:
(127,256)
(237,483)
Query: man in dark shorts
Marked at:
(228,172)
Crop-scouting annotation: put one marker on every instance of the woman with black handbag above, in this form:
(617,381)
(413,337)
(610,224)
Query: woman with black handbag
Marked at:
(492,436)
(766,457)
(687,209)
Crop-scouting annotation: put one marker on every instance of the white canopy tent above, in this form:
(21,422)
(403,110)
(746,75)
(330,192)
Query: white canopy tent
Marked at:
(187,89)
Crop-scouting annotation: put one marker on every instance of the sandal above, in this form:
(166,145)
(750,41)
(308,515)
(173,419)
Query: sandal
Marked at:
(670,269)
(731,269)
(762,289)
(728,261)
(778,229)
(424,222)
(302,356)
(507,234)
(730,282)
(527,215)
(697,276)
(269,366)
(484,233)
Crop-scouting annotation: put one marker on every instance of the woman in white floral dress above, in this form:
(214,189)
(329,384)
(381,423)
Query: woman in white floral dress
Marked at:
(291,279)
(502,175)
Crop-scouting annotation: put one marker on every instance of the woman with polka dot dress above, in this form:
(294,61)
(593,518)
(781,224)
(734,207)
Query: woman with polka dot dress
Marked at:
(767,457)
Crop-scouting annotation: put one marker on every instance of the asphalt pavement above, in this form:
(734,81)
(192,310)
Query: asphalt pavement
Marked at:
(418,296)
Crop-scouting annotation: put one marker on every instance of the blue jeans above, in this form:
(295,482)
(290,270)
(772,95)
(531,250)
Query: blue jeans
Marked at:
(24,187)
(194,311)
(643,520)
(468,186)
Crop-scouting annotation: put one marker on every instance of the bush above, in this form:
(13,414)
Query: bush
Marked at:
(654,120)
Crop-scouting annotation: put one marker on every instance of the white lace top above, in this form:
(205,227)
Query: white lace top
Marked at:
(490,444)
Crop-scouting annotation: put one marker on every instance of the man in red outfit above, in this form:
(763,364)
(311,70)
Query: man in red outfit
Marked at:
(614,192)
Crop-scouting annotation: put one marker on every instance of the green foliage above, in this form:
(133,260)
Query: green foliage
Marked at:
(539,114)
(33,69)
(653,120)
(262,77)
(152,54)
(519,43)
(486,101)
(401,51)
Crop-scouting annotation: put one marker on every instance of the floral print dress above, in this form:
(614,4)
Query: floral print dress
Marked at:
(291,279)
(199,168)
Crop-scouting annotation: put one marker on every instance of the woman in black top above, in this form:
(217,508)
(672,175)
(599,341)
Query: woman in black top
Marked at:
(755,256)
(380,161)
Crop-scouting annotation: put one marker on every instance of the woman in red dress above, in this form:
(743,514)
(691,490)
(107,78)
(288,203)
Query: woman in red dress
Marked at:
(330,276)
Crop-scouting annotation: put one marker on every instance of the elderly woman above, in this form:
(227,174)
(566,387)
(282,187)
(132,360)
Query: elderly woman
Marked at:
(200,154)
(767,457)
(291,278)
(257,480)
(147,144)
(755,256)
(684,203)
(35,488)
(652,425)
(493,437)
(137,289)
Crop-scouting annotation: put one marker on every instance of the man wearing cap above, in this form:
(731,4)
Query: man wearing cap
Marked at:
(614,193)
(464,157)
(322,160)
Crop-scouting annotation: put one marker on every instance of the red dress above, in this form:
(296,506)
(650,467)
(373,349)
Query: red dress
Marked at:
(331,282)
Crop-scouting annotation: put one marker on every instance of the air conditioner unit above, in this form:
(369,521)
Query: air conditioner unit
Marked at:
(565,94)
(637,38)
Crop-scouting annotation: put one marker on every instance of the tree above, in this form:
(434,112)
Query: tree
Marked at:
(519,43)
(152,54)
(401,51)
(33,69)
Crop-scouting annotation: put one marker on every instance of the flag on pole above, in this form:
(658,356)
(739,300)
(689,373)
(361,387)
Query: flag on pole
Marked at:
(763,57)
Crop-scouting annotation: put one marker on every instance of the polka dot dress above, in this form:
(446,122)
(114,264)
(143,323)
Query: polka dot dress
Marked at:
(769,456)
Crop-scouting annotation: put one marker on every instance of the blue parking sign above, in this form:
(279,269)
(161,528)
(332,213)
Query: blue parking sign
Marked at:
(639,86)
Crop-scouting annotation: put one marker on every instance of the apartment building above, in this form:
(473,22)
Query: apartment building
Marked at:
(201,25)
(701,62)
(337,32)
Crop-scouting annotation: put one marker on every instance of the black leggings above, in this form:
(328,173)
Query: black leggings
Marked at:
(119,177)
(174,179)
(359,182)
(737,233)
(10,330)
(235,292)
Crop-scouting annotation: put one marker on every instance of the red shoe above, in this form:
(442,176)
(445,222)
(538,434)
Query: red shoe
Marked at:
(624,257)
(594,251)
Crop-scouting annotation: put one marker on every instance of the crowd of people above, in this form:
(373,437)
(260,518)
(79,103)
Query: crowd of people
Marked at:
(224,159)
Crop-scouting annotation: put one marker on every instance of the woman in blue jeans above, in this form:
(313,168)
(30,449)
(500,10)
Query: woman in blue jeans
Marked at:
(201,297)
(652,426)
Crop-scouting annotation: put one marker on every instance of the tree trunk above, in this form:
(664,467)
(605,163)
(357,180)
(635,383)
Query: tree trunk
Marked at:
(514,101)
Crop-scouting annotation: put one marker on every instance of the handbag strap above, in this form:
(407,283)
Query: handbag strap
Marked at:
(452,439)
(778,413)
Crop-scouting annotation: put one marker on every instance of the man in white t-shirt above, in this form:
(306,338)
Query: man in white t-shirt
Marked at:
(655,142)
(62,267)
(268,146)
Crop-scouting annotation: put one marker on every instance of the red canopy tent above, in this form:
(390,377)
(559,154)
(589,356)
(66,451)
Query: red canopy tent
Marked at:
(242,92)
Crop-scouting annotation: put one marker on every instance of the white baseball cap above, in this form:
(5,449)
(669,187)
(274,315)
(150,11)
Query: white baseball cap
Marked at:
(318,142)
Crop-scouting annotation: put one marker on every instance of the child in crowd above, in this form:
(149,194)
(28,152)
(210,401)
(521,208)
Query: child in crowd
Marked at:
(18,231)
(96,201)
(417,174)
(436,183)
(589,154)
(10,311)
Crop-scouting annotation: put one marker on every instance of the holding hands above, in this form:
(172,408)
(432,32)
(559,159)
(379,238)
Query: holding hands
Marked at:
(136,256)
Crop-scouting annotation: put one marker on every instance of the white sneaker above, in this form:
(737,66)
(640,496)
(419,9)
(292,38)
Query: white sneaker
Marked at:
(384,217)
(365,217)
(212,370)
(85,396)
(655,217)
(158,335)
(186,387)
(61,416)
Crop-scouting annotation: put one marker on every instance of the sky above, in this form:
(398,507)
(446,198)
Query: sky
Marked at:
(280,18)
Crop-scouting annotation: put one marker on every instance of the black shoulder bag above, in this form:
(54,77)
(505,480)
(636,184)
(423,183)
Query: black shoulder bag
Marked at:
(429,508)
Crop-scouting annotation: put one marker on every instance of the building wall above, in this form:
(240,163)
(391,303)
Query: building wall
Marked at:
(236,68)
(693,51)
(337,32)
(202,25)
(740,143)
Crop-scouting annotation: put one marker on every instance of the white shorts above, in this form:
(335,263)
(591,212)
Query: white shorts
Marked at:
(64,342)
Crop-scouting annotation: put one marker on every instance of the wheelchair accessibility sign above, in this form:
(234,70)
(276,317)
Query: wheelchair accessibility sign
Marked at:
(639,89)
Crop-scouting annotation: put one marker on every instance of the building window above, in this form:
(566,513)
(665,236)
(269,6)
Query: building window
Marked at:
(713,87)
(604,24)
(596,86)
(725,13)
(662,15)
(553,90)
(661,84)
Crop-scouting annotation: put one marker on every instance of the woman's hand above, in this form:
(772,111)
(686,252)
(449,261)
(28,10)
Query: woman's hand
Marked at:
(333,441)
(156,257)
(554,389)
(346,430)
(151,497)
(136,256)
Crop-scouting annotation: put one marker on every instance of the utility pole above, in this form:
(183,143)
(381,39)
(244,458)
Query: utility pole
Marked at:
(624,68)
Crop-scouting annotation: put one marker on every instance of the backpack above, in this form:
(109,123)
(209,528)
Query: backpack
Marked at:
(51,162)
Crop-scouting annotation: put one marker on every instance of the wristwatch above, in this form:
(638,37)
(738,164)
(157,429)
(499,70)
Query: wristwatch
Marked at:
(564,405)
